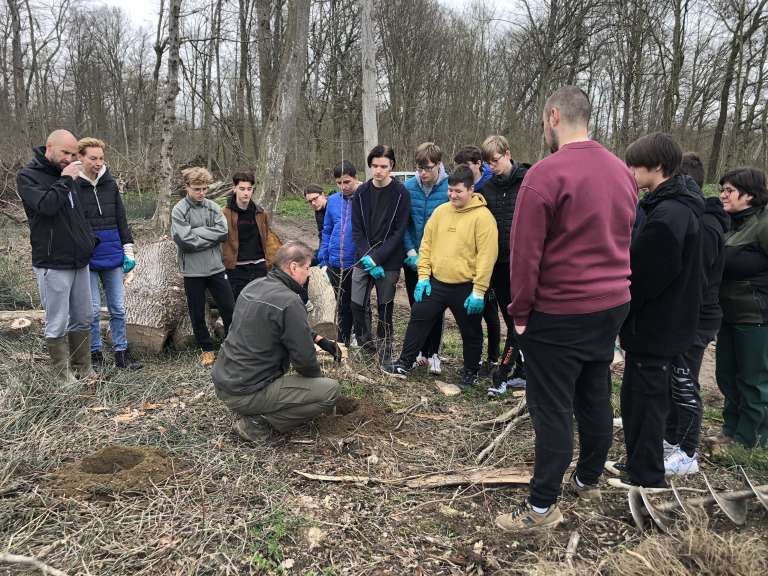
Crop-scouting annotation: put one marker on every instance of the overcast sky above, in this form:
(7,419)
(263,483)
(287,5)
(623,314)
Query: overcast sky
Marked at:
(144,12)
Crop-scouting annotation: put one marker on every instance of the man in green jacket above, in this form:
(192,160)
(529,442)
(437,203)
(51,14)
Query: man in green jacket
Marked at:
(270,333)
(198,227)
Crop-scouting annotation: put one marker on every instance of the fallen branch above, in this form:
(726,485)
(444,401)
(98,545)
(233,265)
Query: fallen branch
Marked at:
(352,479)
(505,417)
(496,441)
(29,561)
(570,551)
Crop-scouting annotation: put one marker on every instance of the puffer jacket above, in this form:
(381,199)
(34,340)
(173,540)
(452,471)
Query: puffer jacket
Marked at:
(270,242)
(500,193)
(60,236)
(198,228)
(269,333)
(485,175)
(423,204)
(104,210)
(338,246)
(744,290)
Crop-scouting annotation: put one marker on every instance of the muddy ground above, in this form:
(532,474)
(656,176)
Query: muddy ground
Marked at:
(140,473)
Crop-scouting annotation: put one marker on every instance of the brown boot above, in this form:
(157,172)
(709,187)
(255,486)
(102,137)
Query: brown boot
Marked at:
(58,350)
(80,354)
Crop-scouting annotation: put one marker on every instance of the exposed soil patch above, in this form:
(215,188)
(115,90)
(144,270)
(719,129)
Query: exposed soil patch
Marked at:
(112,470)
(346,405)
(357,415)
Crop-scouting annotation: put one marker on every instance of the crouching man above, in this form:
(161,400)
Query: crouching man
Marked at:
(269,333)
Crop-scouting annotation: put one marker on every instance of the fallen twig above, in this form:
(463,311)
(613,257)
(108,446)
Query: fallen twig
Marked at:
(505,417)
(29,561)
(570,551)
(496,441)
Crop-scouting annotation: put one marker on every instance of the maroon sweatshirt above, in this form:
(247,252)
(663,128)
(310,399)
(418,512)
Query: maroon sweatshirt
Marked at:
(569,248)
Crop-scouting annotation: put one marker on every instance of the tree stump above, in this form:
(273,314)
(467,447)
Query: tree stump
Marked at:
(322,310)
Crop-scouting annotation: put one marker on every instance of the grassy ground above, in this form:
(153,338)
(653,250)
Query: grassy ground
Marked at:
(233,508)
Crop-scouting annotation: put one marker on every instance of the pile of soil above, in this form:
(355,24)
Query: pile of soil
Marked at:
(112,470)
(362,415)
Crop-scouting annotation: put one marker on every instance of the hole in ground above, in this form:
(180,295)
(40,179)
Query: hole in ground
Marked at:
(111,459)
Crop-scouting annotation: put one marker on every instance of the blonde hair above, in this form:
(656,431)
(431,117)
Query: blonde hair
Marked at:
(494,145)
(196,176)
(84,143)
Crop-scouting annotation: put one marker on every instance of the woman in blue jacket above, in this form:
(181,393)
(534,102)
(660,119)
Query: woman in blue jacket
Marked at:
(114,254)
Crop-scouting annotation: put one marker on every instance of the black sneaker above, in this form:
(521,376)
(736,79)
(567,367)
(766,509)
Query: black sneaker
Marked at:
(468,378)
(487,368)
(615,468)
(395,369)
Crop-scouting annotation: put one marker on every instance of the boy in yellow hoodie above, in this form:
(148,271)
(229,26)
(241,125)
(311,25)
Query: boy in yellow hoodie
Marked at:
(456,258)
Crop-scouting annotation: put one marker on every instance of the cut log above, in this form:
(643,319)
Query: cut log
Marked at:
(322,307)
(154,299)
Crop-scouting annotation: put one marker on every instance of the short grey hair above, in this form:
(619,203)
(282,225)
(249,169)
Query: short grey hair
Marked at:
(573,104)
(293,251)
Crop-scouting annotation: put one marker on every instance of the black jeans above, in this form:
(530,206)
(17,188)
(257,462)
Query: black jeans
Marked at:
(432,343)
(431,308)
(568,358)
(341,280)
(240,276)
(645,391)
(500,284)
(686,408)
(491,317)
(221,292)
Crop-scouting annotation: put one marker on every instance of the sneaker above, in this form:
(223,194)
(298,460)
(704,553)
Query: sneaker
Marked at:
(589,492)
(353,341)
(252,428)
(434,364)
(668,449)
(624,482)
(395,369)
(207,359)
(421,360)
(505,385)
(523,518)
(678,463)
(468,378)
(487,368)
(615,468)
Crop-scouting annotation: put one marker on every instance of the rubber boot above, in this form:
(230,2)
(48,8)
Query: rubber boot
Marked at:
(80,354)
(58,350)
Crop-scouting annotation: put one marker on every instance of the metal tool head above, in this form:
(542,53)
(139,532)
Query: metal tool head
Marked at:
(735,509)
(762,497)
(637,508)
(661,520)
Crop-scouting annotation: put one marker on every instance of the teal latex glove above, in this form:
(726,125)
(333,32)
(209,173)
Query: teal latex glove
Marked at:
(376,272)
(411,262)
(474,304)
(367,263)
(128,264)
(422,287)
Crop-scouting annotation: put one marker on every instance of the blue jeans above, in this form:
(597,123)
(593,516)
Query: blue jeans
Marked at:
(112,280)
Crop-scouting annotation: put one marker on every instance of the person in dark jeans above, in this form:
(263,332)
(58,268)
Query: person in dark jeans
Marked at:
(667,285)
(456,256)
(569,263)
(251,244)
(337,248)
(198,227)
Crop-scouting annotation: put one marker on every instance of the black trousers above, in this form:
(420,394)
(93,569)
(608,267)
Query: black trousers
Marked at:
(568,358)
(686,408)
(240,276)
(500,284)
(431,308)
(492,324)
(221,292)
(432,343)
(645,391)
(341,280)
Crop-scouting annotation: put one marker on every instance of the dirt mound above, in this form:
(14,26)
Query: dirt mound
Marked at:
(112,470)
(356,415)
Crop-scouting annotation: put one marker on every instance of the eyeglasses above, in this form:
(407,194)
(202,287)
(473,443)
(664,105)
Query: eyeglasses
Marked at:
(313,199)
(728,190)
(496,159)
(426,168)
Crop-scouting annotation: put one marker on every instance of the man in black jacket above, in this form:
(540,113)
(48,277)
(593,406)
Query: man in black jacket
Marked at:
(500,192)
(62,244)
(380,211)
(666,289)
(269,333)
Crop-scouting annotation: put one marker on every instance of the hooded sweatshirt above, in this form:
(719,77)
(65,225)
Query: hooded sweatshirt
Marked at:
(667,280)
(460,245)
(198,228)
(424,200)
(715,224)
(105,212)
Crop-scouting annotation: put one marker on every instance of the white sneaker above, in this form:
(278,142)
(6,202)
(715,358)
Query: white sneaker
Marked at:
(679,463)
(353,341)
(434,364)
(420,361)
(668,449)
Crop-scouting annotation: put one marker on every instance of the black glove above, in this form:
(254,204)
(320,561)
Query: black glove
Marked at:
(331,347)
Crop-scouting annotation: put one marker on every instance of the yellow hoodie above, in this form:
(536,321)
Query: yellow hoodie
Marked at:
(460,245)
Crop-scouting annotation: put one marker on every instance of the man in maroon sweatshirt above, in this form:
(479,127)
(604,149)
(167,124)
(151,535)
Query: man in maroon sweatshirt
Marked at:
(569,270)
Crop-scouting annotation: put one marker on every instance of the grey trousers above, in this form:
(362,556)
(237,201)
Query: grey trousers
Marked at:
(286,403)
(66,297)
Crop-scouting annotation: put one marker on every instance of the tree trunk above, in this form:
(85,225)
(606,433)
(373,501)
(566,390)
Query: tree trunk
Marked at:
(322,314)
(368,47)
(277,131)
(672,93)
(162,216)
(19,91)
(265,41)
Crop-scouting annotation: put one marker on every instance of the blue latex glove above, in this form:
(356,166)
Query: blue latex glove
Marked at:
(411,262)
(474,304)
(376,272)
(128,264)
(422,287)
(367,263)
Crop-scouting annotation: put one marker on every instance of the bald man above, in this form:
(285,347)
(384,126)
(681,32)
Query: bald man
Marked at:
(62,244)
